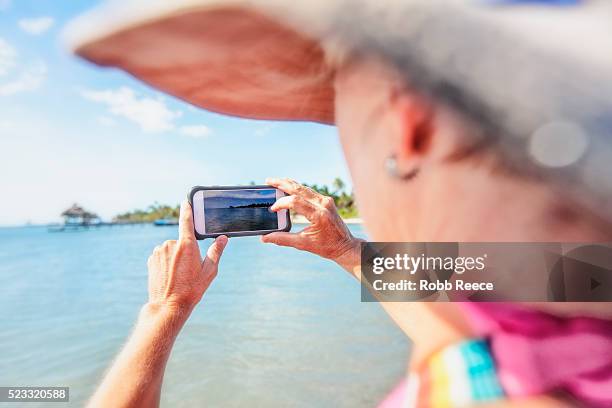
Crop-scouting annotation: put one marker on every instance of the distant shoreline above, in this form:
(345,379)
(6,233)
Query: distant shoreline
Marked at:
(298,219)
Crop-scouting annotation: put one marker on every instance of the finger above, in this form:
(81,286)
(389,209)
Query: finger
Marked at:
(284,239)
(169,243)
(168,247)
(186,232)
(273,181)
(290,187)
(281,184)
(215,250)
(295,203)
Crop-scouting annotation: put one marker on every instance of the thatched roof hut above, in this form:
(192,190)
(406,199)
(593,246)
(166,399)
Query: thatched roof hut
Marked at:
(77,214)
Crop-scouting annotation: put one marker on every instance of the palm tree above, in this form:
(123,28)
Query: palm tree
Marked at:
(338,185)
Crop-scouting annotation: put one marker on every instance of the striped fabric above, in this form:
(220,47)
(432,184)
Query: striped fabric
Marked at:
(460,375)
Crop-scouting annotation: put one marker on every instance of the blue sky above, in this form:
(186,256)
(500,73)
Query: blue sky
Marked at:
(224,199)
(72,132)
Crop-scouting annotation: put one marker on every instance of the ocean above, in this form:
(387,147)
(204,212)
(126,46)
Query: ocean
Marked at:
(240,219)
(277,328)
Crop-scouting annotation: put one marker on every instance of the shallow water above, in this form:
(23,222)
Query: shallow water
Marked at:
(277,328)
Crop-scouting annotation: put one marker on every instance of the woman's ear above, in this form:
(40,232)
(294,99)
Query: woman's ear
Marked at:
(414,129)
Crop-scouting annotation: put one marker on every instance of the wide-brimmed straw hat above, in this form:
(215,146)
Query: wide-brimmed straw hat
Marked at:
(536,76)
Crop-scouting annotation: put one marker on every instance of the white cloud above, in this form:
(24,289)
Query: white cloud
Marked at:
(18,77)
(195,131)
(8,56)
(36,26)
(246,194)
(30,79)
(152,115)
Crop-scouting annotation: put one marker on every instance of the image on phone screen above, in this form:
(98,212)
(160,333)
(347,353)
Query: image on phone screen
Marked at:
(239,210)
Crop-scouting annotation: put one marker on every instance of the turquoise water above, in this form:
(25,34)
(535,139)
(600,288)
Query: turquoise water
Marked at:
(277,328)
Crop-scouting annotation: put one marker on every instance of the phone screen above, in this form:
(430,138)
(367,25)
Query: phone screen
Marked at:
(239,210)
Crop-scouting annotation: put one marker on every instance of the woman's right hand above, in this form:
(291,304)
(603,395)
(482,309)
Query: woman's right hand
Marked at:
(326,236)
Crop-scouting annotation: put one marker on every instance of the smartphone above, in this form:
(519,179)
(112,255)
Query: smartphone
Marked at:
(236,211)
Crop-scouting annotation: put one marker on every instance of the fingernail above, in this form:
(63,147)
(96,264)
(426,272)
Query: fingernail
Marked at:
(222,240)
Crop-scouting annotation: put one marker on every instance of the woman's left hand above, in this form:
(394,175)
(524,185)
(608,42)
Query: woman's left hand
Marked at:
(326,236)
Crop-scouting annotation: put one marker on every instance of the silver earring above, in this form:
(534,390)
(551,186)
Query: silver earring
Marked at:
(393,170)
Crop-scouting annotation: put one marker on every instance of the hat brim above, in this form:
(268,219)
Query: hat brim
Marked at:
(227,59)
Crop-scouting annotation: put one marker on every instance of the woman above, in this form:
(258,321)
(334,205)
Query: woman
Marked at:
(455,126)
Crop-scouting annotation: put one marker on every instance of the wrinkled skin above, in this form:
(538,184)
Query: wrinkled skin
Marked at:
(177,275)
(326,236)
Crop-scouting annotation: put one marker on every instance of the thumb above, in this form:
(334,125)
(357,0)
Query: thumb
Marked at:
(283,239)
(215,250)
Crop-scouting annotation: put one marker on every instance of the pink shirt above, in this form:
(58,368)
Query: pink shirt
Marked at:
(536,353)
